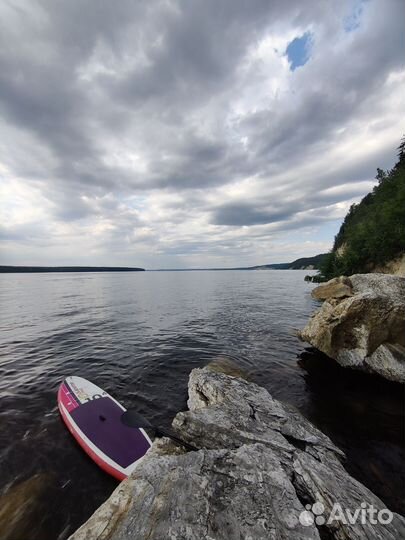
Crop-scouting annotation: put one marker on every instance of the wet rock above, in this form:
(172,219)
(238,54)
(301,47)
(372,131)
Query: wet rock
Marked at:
(259,464)
(223,364)
(366,330)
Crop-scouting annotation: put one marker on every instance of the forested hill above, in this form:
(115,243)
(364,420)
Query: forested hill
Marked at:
(308,262)
(373,231)
(305,263)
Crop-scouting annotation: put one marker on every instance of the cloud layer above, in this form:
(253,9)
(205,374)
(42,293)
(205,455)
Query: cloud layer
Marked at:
(169,134)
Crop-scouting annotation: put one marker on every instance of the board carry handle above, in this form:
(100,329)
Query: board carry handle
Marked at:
(132,418)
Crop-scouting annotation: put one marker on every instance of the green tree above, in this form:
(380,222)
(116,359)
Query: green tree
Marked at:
(373,231)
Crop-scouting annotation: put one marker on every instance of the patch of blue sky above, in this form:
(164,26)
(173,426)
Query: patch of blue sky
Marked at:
(136,202)
(299,50)
(321,232)
(328,231)
(352,21)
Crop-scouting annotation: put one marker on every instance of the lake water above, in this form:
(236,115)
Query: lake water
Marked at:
(138,335)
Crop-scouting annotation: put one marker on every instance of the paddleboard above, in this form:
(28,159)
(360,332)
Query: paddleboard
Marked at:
(94,419)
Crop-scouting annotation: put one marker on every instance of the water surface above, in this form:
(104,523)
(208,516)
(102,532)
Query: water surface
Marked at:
(138,335)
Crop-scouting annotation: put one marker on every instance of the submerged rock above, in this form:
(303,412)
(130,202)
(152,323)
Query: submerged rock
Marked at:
(259,464)
(361,323)
(224,364)
(19,506)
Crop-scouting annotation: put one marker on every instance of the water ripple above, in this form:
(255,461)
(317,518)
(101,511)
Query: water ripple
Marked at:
(138,336)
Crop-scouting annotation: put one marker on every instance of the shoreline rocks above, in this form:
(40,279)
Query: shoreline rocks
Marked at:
(361,323)
(260,467)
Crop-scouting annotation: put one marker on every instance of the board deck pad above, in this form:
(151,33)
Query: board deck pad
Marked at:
(94,419)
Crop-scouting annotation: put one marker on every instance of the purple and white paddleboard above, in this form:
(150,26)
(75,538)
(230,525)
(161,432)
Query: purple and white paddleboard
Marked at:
(94,419)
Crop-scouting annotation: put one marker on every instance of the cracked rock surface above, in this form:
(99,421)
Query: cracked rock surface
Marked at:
(260,462)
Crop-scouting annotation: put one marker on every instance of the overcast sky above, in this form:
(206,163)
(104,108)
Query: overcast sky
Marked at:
(192,133)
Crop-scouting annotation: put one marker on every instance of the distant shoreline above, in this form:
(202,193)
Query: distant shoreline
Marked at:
(41,269)
(304,263)
(242,269)
(60,269)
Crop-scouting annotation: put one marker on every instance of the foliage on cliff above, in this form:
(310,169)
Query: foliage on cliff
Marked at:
(373,231)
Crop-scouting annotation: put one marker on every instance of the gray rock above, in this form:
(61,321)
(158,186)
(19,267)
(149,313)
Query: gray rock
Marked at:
(238,412)
(330,485)
(205,494)
(260,462)
(365,331)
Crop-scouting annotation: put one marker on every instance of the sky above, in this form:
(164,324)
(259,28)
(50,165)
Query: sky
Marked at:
(183,134)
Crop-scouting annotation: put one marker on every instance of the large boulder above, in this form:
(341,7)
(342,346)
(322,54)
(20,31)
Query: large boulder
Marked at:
(262,472)
(361,323)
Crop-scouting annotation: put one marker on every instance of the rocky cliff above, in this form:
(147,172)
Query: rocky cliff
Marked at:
(395,266)
(361,323)
(262,472)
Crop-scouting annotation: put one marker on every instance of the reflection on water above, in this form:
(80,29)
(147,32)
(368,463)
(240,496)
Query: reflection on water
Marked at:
(138,336)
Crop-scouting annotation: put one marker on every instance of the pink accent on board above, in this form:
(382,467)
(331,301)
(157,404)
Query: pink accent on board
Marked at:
(66,398)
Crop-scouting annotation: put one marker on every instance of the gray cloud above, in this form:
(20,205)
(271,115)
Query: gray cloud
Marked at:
(244,214)
(127,117)
(263,213)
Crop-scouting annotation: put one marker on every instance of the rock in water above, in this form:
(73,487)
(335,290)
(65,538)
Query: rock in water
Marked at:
(223,364)
(20,505)
(260,462)
(361,323)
